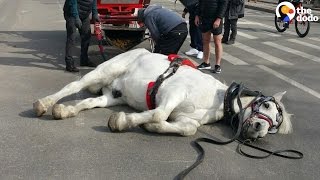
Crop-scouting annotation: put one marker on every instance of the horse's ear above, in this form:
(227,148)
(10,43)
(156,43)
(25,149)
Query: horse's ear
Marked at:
(278,96)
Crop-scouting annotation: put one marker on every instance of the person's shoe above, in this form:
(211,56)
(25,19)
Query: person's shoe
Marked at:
(192,52)
(286,25)
(217,69)
(72,69)
(230,42)
(204,66)
(224,41)
(87,63)
(200,55)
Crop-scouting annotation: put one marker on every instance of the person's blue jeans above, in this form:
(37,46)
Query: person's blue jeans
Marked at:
(194,31)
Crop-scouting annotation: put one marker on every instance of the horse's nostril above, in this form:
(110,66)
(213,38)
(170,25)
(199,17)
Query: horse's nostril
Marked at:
(257,126)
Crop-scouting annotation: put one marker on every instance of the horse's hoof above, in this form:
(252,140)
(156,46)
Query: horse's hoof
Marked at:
(57,111)
(117,122)
(39,108)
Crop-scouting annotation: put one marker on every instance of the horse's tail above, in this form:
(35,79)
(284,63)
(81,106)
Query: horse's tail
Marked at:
(119,64)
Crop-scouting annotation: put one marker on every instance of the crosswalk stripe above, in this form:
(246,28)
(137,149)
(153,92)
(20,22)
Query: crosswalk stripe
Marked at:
(246,35)
(272,34)
(261,54)
(290,81)
(315,39)
(228,57)
(304,43)
(293,51)
(272,27)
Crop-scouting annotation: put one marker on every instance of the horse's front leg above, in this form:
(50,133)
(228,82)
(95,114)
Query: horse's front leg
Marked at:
(181,125)
(61,111)
(41,106)
(121,121)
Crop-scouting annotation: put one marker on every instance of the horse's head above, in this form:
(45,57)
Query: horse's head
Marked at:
(266,115)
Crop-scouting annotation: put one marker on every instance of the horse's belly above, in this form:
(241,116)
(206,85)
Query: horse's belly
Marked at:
(134,83)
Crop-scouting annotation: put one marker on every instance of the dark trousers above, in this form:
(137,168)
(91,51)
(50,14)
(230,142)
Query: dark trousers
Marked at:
(230,24)
(171,42)
(85,34)
(194,31)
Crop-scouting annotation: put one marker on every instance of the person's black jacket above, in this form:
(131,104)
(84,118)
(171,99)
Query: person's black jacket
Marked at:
(80,8)
(212,9)
(235,9)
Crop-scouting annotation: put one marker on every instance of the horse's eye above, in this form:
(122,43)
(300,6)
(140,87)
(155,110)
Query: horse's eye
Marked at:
(266,105)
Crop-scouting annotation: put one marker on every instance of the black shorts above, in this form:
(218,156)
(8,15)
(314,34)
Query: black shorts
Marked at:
(207,25)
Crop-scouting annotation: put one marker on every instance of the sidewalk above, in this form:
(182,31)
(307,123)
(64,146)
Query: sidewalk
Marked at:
(270,6)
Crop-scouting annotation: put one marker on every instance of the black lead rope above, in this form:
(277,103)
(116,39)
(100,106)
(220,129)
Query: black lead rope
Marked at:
(201,151)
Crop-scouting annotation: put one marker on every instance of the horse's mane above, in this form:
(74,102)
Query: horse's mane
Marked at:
(286,126)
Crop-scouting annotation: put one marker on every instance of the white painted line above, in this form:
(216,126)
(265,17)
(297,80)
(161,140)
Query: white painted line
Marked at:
(18,55)
(290,81)
(304,43)
(261,54)
(272,27)
(246,35)
(231,59)
(272,34)
(315,39)
(293,51)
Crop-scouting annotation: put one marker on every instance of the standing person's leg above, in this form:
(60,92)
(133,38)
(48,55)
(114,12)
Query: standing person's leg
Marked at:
(226,32)
(217,37)
(196,33)
(70,44)
(206,37)
(85,34)
(233,35)
(192,30)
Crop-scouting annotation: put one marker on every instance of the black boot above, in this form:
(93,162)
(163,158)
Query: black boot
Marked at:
(86,62)
(70,66)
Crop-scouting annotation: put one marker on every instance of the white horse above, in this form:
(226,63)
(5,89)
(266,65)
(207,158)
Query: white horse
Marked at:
(185,101)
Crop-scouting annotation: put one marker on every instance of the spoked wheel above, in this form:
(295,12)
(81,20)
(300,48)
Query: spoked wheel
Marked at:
(302,27)
(279,24)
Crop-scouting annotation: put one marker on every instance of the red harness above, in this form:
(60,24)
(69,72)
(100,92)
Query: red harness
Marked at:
(171,58)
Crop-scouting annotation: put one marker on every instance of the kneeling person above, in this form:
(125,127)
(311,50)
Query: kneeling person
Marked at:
(167,28)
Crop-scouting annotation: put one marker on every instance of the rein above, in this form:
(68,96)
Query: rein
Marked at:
(235,91)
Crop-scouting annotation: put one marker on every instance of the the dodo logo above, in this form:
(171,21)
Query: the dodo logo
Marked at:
(286,11)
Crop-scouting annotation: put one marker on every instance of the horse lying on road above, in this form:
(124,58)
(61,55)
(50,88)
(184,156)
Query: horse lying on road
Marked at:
(182,103)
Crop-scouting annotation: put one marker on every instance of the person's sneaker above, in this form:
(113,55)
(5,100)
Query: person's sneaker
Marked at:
(204,66)
(230,42)
(87,63)
(200,55)
(192,52)
(224,41)
(217,69)
(286,25)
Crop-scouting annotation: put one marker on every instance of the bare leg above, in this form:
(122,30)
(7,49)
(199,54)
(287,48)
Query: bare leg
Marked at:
(218,48)
(206,37)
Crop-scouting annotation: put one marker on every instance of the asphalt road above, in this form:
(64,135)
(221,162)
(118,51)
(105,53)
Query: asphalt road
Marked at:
(32,36)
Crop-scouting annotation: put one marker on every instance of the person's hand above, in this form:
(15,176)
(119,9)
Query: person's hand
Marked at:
(184,15)
(197,21)
(78,23)
(96,18)
(216,23)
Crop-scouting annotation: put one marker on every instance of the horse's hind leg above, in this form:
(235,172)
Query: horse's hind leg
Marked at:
(42,105)
(182,125)
(61,111)
(121,121)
